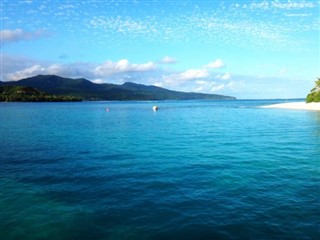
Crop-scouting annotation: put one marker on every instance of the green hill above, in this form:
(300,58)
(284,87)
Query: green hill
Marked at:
(88,90)
(29,94)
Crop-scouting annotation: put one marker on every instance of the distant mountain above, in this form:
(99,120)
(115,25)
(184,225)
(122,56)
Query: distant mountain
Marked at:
(87,90)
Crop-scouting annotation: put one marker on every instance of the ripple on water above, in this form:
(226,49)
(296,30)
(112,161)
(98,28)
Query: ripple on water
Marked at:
(208,170)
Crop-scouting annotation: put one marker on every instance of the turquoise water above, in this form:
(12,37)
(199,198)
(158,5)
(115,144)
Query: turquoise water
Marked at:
(192,170)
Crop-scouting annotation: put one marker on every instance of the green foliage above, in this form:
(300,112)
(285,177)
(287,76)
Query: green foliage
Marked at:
(314,95)
(29,94)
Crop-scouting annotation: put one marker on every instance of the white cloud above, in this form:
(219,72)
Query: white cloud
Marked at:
(25,73)
(265,5)
(98,81)
(225,76)
(200,76)
(10,36)
(192,74)
(297,14)
(168,60)
(67,6)
(122,66)
(208,86)
(216,64)
(283,71)
(125,25)
(177,79)
(12,63)
(292,4)
(260,5)
(158,84)
(52,69)
(217,87)
(18,67)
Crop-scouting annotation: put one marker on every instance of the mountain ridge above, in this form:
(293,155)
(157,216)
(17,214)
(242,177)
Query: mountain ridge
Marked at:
(87,90)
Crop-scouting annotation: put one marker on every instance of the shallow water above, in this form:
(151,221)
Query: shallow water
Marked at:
(192,170)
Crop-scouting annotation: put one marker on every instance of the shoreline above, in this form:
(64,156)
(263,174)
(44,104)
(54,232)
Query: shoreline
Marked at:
(296,105)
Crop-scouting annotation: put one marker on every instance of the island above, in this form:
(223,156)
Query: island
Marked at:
(87,90)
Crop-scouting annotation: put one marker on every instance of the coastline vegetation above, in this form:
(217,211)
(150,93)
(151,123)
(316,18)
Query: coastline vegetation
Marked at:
(29,94)
(314,95)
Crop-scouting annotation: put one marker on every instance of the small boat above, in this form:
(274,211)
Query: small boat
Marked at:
(155,108)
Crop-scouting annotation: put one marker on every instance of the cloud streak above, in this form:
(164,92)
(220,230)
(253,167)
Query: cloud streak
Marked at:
(216,64)
(168,60)
(287,5)
(17,35)
(122,66)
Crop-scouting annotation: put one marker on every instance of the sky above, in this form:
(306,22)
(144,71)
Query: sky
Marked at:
(247,49)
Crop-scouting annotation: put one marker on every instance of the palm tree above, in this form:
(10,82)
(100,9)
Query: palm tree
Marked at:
(317,87)
(314,95)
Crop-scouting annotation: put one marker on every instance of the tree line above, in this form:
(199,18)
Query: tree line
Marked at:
(29,94)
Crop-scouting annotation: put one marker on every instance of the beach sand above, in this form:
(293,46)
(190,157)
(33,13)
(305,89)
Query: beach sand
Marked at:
(296,105)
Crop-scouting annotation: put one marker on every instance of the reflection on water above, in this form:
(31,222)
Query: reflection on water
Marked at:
(32,215)
(315,116)
(28,213)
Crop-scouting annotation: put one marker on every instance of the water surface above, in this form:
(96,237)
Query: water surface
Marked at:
(192,170)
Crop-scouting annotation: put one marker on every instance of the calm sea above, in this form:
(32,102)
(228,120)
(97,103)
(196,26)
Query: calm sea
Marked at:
(192,170)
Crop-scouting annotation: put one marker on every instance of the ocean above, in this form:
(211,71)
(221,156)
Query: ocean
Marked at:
(191,170)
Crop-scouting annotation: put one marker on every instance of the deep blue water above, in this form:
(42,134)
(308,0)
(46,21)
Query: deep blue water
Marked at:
(192,170)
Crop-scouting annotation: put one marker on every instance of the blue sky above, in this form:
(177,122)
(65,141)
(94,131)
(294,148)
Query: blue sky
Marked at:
(247,49)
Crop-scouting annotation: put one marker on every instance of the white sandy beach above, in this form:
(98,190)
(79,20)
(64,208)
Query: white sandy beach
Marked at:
(296,105)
